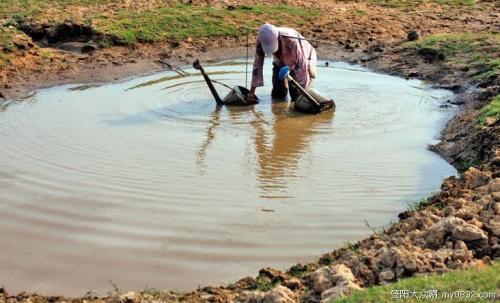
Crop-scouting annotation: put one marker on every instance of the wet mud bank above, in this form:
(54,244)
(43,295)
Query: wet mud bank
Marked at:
(459,227)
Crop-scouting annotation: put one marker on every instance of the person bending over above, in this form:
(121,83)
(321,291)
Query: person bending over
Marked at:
(288,47)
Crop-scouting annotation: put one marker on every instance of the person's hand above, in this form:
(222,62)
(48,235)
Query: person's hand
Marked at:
(284,72)
(251,99)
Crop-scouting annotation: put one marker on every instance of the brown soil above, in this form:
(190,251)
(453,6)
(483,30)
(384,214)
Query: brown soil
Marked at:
(457,228)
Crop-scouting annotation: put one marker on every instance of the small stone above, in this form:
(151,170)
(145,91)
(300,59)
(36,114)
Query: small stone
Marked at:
(461,230)
(293,284)
(340,272)
(475,178)
(274,275)
(244,283)
(3,292)
(448,211)
(460,245)
(130,297)
(413,35)
(410,265)
(490,121)
(89,47)
(386,275)
(280,294)
(496,197)
(496,207)
(434,236)
(321,280)
(327,277)
(494,226)
(251,296)
(341,290)
(386,257)
(494,186)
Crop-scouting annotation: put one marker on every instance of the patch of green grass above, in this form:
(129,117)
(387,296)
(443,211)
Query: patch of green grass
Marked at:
(153,292)
(298,270)
(417,205)
(352,246)
(263,284)
(6,35)
(170,20)
(414,3)
(476,53)
(33,8)
(184,21)
(484,281)
(491,109)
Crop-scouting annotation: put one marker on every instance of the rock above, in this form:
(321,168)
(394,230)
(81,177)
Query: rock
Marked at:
(434,236)
(490,121)
(494,226)
(244,283)
(460,245)
(494,186)
(496,197)
(327,277)
(457,228)
(321,280)
(496,207)
(386,257)
(460,230)
(89,47)
(448,211)
(343,289)
(386,275)
(251,296)
(280,294)
(410,265)
(475,178)
(130,297)
(340,272)
(293,284)
(274,275)
(412,35)
(3,292)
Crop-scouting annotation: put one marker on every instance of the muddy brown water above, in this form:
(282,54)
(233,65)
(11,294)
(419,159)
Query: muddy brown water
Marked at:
(147,183)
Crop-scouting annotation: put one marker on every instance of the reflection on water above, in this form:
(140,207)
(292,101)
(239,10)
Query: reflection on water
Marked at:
(157,186)
(279,143)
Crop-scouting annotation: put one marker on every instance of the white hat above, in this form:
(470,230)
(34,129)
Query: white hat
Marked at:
(268,37)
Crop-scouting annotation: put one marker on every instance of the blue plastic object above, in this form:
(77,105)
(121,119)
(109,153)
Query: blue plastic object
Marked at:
(284,71)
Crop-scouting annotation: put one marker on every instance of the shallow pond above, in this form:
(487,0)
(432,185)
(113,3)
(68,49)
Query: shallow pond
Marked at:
(147,183)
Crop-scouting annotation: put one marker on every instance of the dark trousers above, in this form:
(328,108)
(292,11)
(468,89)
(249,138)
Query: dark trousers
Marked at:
(279,90)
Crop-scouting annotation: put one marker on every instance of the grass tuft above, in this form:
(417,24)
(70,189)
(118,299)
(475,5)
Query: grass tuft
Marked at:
(476,53)
(263,284)
(415,3)
(491,109)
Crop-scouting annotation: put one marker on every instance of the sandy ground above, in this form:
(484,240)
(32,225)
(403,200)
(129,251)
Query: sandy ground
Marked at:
(352,31)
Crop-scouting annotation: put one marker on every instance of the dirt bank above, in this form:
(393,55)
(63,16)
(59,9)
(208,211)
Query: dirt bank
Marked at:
(459,227)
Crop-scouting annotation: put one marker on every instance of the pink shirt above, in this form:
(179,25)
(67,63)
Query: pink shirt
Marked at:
(298,54)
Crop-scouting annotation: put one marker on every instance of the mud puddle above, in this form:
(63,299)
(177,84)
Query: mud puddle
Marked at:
(146,183)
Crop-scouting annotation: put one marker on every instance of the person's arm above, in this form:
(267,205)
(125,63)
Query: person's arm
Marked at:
(257,72)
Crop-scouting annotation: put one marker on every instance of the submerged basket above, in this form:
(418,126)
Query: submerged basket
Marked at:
(302,104)
(238,97)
